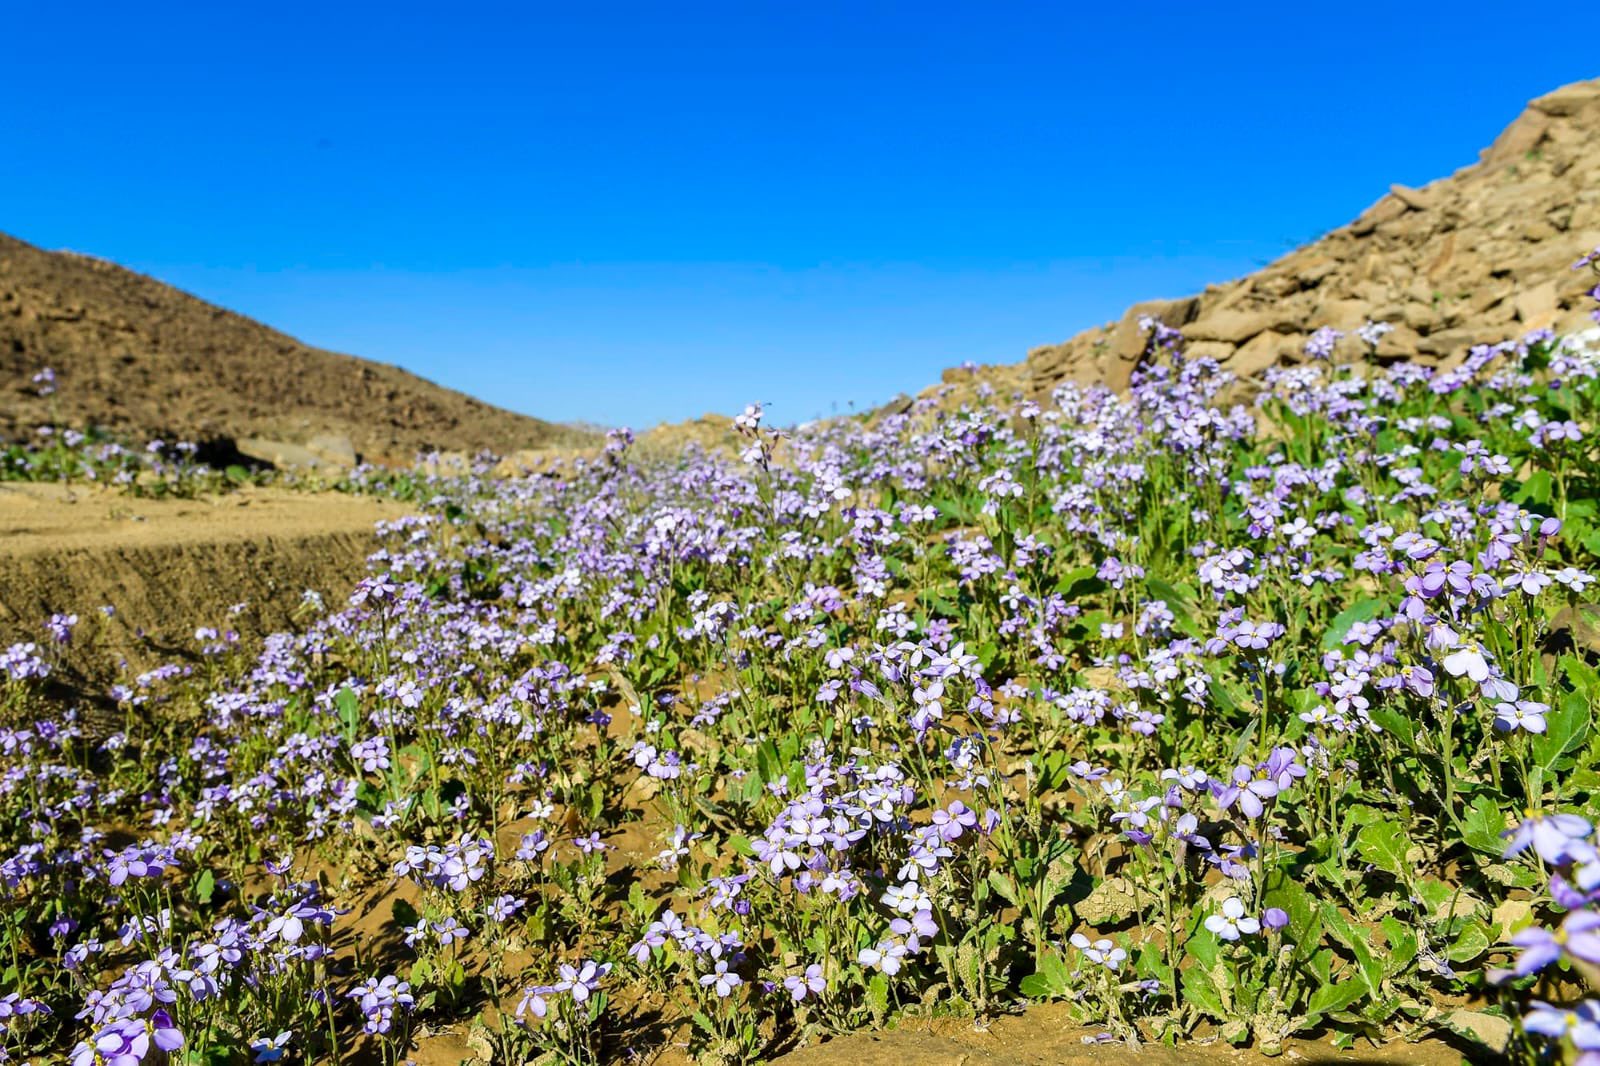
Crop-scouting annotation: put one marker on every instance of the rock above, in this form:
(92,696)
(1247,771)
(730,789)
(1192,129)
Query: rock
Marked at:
(1261,351)
(1475,257)
(1492,1031)
(1536,306)
(1314,269)
(1388,207)
(280,454)
(336,450)
(1448,342)
(1235,327)
(1401,342)
(1221,351)
(1412,198)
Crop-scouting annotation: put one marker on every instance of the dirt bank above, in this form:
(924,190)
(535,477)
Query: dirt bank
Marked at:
(170,566)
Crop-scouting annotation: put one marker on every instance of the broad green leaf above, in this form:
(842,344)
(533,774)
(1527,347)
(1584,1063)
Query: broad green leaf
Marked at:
(1357,942)
(1566,730)
(1402,946)
(1384,845)
(1291,896)
(1335,997)
(1052,979)
(1473,942)
(1396,724)
(1481,824)
(1201,991)
(878,997)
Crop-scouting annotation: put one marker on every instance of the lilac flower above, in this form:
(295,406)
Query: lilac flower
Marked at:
(1467,659)
(950,822)
(137,861)
(535,1001)
(1249,791)
(127,1042)
(1322,342)
(380,1000)
(503,907)
(372,754)
(583,980)
(1552,836)
(1577,936)
(1580,1024)
(1232,921)
(1100,952)
(1522,714)
(810,983)
(60,627)
(722,979)
(1373,332)
(885,957)
(271,1048)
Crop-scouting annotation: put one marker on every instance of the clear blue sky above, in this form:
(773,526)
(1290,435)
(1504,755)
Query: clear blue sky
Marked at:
(628,213)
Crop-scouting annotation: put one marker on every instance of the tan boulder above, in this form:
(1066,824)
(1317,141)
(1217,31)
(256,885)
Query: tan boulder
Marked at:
(1536,305)
(1232,326)
(1261,351)
(284,455)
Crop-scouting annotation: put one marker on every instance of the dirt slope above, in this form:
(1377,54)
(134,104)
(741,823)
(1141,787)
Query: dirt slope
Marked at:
(169,566)
(144,359)
(1479,256)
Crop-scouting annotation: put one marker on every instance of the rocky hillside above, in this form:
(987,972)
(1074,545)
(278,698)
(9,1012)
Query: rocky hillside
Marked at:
(1482,255)
(143,359)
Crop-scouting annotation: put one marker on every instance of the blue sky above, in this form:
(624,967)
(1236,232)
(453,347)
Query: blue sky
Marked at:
(628,213)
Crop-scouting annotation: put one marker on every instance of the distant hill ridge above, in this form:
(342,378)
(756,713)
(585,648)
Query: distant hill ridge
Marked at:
(141,358)
(1482,255)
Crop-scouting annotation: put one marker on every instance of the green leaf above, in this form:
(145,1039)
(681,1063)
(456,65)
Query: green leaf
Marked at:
(1481,826)
(1384,845)
(1566,729)
(1473,942)
(204,886)
(1538,490)
(349,709)
(1077,581)
(1305,925)
(1002,888)
(1396,724)
(1335,997)
(1203,946)
(1052,979)
(403,913)
(1584,678)
(1402,946)
(878,998)
(1200,990)
(1357,943)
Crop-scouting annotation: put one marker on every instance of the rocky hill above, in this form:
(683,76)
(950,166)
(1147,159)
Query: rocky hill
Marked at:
(1482,255)
(142,359)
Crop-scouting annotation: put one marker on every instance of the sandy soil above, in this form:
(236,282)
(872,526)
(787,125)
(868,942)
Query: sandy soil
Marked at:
(169,566)
(1046,1034)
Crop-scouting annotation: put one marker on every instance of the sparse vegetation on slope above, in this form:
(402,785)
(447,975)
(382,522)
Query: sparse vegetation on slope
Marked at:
(143,360)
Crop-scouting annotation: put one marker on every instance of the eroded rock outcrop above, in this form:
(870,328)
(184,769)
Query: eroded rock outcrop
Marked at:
(1482,255)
